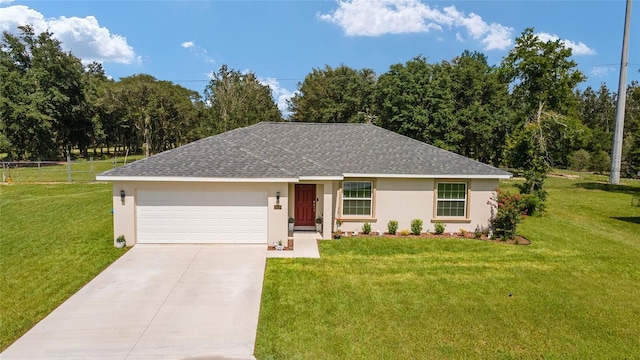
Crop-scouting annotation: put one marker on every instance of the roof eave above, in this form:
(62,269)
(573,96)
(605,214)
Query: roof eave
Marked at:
(192,179)
(430,176)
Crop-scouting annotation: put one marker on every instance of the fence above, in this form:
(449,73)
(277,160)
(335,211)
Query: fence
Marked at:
(56,171)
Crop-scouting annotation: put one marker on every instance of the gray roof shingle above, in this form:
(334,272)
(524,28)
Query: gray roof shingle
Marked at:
(292,150)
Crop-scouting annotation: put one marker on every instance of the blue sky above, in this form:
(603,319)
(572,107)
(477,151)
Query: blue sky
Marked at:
(282,41)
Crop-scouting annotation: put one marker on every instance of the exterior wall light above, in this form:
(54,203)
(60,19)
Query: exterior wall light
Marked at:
(122,196)
(278,197)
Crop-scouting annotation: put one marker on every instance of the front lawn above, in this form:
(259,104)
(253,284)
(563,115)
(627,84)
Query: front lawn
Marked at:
(53,240)
(573,293)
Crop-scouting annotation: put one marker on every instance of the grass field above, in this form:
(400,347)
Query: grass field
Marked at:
(81,170)
(574,291)
(53,240)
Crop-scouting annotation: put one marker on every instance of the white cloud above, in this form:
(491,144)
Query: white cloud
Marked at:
(379,17)
(578,48)
(198,51)
(84,37)
(601,70)
(280,94)
(6,1)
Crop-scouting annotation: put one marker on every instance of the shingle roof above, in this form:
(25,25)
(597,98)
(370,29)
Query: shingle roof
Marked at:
(292,150)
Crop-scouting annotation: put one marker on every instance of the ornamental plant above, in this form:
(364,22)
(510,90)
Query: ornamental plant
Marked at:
(507,211)
(416,226)
(392,227)
(366,228)
(439,227)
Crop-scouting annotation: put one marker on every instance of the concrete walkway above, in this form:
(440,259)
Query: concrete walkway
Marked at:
(158,302)
(305,245)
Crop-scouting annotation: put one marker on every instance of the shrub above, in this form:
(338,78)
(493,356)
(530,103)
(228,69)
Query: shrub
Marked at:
(404,232)
(506,213)
(392,226)
(533,204)
(463,232)
(439,226)
(477,233)
(416,226)
(580,160)
(366,227)
(600,161)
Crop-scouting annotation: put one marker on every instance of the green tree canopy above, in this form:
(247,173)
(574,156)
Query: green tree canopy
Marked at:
(234,100)
(544,78)
(159,113)
(337,95)
(40,96)
(415,99)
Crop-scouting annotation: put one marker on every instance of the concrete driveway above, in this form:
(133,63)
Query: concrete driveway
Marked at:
(158,302)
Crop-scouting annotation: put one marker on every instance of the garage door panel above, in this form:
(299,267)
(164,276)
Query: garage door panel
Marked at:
(201,216)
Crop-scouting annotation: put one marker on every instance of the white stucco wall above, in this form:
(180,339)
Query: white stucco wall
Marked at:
(394,199)
(124,222)
(407,199)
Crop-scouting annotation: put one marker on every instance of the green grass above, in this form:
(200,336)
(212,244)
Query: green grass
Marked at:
(81,170)
(575,290)
(53,240)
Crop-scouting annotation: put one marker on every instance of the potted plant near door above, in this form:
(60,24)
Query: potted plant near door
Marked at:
(121,242)
(319,224)
(291,221)
(338,233)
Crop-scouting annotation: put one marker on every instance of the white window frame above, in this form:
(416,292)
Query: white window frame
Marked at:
(370,199)
(464,201)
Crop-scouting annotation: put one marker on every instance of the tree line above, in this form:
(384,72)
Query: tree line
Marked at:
(51,104)
(526,112)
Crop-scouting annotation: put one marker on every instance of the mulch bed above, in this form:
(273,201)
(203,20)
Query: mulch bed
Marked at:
(518,240)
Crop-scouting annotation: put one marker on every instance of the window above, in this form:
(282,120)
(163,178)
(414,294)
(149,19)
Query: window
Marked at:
(357,197)
(452,200)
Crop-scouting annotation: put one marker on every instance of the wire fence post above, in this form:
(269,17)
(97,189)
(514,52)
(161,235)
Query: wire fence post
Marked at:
(39,172)
(69,169)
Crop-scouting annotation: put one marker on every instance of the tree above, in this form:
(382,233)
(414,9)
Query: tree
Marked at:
(600,161)
(340,95)
(415,99)
(580,160)
(631,142)
(481,107)
(40,96)
(234,100)
(158,114)
(543,78)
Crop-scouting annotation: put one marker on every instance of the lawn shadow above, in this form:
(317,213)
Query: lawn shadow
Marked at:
(627,189)
(631,219)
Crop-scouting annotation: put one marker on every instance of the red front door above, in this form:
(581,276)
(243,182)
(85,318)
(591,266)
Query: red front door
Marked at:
(305,205)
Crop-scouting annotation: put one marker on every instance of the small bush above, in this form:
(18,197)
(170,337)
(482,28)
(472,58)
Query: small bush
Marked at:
(405,232)
(392,227)
(533,204)
(477,233)
(463,232)
(506,213)
(580,160)
(366,228)
(439,226)
(600,161)
(416,226)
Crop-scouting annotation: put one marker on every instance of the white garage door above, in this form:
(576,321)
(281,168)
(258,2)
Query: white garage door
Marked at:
(201,216)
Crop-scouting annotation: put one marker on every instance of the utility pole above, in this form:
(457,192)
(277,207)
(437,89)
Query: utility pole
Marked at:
(616,156)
